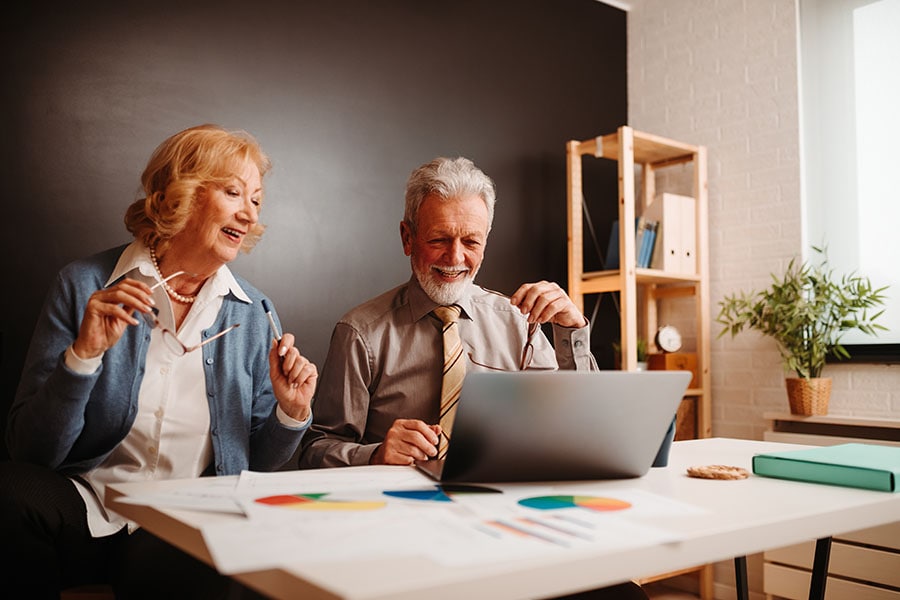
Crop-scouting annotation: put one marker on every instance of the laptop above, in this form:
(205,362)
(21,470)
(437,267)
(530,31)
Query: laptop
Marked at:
(558,425)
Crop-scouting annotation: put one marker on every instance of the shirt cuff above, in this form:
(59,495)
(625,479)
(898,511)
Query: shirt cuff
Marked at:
(573,348)
(576,340)
(82,366)
(290,422)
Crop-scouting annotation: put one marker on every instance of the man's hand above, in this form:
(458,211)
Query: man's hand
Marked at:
(406,441)
(544,302)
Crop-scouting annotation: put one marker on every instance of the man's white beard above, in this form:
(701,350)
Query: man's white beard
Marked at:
(444,294)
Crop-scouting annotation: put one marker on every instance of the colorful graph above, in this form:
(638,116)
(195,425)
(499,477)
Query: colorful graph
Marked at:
(435,495)
(594,503)
(511,528)
(318,502)
(441,493)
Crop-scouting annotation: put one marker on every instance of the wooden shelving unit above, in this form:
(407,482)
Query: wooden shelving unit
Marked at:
(651,153)
(641,291)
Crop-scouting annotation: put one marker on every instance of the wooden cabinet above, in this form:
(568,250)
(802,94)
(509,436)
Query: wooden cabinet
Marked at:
(863,564)
(643,159)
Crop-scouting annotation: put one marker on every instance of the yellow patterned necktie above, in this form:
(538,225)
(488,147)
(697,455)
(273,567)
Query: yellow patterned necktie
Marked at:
(454,371)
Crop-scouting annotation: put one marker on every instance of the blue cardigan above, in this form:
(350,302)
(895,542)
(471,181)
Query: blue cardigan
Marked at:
(71,422)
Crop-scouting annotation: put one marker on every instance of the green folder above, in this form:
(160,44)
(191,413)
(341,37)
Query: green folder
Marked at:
(870,466)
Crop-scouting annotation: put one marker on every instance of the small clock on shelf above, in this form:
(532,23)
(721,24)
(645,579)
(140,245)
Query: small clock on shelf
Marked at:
(668,339)
(670,357)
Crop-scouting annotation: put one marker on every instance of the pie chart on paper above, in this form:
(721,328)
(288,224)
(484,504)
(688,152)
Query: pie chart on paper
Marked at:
(593,503)
(435,495)
(441,493)
(318,502)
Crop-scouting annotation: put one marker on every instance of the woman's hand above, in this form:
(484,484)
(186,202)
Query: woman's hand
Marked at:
(109,311)
(293,378)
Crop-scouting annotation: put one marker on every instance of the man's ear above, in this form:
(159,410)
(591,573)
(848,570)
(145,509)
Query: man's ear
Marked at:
(406,237)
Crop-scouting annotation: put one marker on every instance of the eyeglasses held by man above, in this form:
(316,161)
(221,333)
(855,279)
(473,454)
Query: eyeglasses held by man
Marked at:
(527,354)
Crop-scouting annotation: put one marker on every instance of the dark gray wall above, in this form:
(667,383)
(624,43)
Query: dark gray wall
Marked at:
(347,96)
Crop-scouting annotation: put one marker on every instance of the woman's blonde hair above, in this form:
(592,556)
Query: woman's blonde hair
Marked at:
(179,169)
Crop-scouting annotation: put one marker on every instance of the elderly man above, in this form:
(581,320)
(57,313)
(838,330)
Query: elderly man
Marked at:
(395,366)
(380,391)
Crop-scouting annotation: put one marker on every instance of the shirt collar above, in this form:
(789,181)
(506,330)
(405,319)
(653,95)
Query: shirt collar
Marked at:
(136,260)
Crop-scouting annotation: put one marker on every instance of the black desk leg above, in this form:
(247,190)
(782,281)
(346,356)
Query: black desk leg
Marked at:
(740,578)
(820,569)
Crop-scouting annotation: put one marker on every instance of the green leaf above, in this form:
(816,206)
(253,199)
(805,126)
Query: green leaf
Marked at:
(806,310)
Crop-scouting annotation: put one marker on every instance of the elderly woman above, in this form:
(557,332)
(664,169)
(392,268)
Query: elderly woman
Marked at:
(150,361)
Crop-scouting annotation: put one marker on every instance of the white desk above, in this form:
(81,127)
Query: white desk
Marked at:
(741,517)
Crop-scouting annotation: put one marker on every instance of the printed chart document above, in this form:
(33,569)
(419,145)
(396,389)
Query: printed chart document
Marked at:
(340,514)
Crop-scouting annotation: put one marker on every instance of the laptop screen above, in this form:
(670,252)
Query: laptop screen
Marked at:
(559,425)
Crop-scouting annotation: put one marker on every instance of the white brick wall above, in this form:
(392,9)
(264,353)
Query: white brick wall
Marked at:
(723,73)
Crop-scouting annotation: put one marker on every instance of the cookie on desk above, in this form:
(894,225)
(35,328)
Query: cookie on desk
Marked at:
(718,472)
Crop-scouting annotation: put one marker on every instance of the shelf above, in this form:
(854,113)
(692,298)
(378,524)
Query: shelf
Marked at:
(648,148)
(598,282)
(643,290)
(797,426)
(839,420)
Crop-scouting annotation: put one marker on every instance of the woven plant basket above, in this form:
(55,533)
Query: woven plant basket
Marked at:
(808,396)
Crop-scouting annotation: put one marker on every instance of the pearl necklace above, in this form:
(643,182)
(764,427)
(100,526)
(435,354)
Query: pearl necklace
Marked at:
(169,290)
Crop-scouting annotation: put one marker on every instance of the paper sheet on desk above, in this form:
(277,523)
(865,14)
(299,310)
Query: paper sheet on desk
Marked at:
(444,538)
(249,545)
(337,479)
(596,502)
(208,494)
(410,517)
(220,494)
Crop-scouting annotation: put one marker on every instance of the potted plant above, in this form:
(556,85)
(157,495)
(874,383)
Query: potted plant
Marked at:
(806,311)
(641,350)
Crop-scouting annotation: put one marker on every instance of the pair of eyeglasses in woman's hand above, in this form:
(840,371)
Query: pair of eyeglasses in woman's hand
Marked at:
(169,338)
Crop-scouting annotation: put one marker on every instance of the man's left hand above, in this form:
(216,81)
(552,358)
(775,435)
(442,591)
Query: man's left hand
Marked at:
(544,302)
